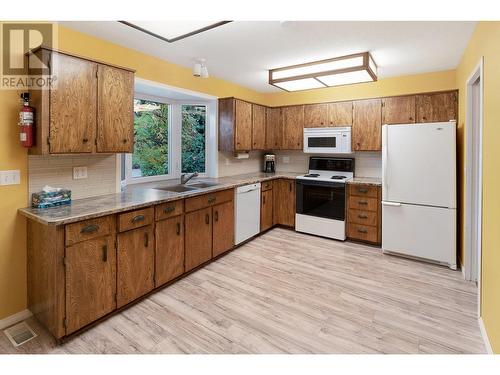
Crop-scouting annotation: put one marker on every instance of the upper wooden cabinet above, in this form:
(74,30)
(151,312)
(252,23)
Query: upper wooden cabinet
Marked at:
(273,128)
(367,125)
(398,110)
(88,109)
(436,107)
(340,114)
(315,115)
(258,127)
(235,125)
(292,122)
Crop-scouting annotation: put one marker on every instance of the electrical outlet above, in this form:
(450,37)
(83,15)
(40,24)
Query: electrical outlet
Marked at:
(79,173)
(286,159)
(12,177)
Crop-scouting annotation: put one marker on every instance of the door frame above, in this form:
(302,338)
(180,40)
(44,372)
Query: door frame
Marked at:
(470,198)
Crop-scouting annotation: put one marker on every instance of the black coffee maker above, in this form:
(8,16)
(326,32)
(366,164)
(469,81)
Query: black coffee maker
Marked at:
(269,163)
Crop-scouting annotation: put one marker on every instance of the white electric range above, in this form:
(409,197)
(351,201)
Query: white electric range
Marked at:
(321,197)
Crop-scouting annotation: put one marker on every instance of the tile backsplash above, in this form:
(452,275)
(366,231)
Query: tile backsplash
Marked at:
(57,171)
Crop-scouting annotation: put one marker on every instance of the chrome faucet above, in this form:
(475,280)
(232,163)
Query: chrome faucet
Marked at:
(185,179)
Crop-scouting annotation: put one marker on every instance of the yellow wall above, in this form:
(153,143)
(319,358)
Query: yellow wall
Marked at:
(12,156)
(485,42)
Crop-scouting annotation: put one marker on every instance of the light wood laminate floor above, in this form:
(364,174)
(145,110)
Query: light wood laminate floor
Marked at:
(287,292)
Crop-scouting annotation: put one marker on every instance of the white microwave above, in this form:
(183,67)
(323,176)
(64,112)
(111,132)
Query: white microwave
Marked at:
(327,140)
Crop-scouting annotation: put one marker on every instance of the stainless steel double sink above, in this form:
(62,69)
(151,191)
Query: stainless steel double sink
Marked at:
(181,188)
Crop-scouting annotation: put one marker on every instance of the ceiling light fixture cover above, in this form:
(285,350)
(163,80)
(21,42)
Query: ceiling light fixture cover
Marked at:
(344,70)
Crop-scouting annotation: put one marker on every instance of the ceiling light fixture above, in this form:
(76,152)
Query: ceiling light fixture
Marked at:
(343,70)
(200,69)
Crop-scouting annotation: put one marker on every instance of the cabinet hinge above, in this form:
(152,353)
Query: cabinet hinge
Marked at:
(116,245)
(48,140)
(116,298)
(65,323)
(64,261)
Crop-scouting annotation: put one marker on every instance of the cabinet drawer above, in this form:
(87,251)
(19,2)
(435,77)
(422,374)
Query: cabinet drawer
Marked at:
(362,217)
(268,185)
(363,190)
(362,203)
(135,219)
(169,209)
(207,200)
(88,229)
(362,232)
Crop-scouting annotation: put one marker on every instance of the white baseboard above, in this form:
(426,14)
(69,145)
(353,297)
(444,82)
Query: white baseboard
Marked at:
(15,318)
(485,336)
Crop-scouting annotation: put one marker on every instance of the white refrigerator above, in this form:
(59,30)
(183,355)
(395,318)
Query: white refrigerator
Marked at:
(419,216)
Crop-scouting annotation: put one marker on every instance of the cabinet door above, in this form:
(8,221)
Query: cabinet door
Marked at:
(284,202)
(258,127)
(292,127)
(273,126)
(315,115)
(90,281)
(198,237)
(398,110)
(136,258)
(367,125)
(266,210)
(73,102)
(437,107)
(115,113)
(243,126)
(169,249)
(223,231)
(340,114)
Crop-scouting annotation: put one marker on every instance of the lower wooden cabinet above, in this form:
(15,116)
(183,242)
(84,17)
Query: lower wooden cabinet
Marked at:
(284,202)
(90,281)
(135,264)
(266,210)
(198,237)
(364,222)
(223,228)
(169,247)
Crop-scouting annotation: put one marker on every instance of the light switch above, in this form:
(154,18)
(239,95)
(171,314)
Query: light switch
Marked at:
(79,173)
(12,177)
(286,159)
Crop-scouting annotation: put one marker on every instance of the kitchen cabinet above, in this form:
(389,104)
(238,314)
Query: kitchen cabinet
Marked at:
(223,228)
(284,202)
(367,125)
(266,210)
(292,125)
(235,125)
(198,237)
(135,264)
(364,221)
(340,114)
(437,107)
(90,281)
(258,127)
(316,115)
(273,128)
(89,108)
(169,249)
(398,110)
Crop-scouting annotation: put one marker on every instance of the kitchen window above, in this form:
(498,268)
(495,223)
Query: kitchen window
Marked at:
(193,139)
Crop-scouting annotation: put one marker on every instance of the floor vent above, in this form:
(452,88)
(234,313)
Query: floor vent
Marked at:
(19,334)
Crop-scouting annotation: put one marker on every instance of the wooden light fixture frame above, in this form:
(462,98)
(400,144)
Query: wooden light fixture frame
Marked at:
(364,66)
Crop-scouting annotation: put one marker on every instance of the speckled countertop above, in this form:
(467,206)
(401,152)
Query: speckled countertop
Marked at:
(366,181)
(138,196)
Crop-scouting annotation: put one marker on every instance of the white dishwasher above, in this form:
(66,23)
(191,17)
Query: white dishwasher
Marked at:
(247,212)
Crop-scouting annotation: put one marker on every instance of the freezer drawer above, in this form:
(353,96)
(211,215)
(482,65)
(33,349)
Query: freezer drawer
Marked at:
(420,231)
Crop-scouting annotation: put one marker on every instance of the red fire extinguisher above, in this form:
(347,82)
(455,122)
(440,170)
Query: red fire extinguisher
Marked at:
(27,122)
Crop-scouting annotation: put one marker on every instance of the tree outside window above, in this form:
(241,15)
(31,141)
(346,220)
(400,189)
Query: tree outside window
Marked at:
(193,138)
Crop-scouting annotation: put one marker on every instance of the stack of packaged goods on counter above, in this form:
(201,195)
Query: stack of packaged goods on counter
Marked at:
(50,197)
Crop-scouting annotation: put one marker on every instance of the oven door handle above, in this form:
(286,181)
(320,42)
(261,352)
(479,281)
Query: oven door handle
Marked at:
(321,184)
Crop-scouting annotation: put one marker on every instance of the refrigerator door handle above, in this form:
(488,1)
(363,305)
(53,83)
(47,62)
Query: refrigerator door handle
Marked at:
(392,204)
(385,130)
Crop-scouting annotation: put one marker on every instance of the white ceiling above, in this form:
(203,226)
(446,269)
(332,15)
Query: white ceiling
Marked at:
(243,51)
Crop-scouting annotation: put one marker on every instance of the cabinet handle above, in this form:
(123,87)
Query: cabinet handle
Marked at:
(411,118)
(92,228)
(211,200)
(361,190)
(85,140)
(125,141)
(424,118)
(364,231)
(169,209)
(216,216)
(105,253)
(363,216)
(264,199)
(290,186)
(207,219)
(146,239)
(178,229)
(138,218)
(363,203)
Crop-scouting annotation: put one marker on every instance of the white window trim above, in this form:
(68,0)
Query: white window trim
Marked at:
(175,142)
